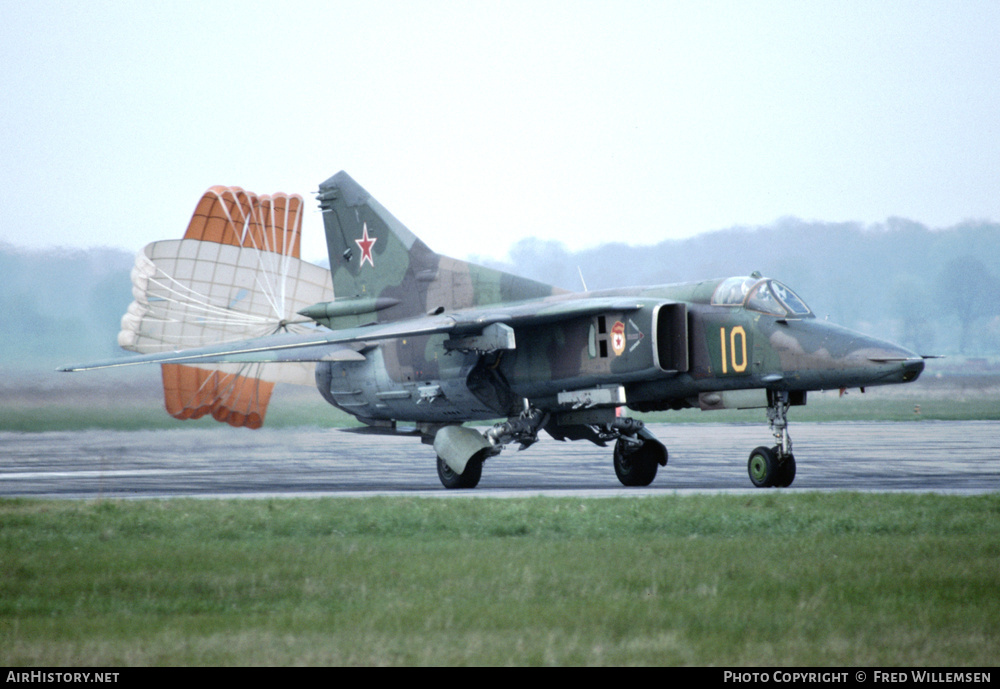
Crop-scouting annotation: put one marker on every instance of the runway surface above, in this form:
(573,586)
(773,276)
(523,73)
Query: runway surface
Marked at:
(940,456)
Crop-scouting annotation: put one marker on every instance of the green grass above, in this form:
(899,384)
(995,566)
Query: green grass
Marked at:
(828,407)
(299,411)
(151,415)
(769,579)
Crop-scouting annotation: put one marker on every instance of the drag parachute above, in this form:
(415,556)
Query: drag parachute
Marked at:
(235,275)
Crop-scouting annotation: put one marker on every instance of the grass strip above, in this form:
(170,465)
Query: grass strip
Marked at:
(763,579)
(151,416)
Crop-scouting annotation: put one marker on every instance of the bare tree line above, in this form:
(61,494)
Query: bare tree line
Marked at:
(936,291)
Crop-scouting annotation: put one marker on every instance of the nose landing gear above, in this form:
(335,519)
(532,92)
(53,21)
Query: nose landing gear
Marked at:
(774,466)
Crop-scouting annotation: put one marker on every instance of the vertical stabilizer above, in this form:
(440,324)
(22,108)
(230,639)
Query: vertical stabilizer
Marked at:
(373,255)
(370,250)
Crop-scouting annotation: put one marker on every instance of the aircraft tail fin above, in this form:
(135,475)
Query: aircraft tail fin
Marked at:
(373,255)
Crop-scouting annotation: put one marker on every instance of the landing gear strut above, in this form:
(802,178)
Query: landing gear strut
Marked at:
(524,429)
(461,451)
(774,466)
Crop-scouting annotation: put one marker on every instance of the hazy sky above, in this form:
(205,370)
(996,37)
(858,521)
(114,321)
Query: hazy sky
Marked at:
(479,123)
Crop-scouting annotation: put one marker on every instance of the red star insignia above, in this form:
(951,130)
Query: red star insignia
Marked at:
(365,244)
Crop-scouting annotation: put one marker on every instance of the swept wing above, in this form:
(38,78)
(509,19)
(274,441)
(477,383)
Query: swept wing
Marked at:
(343,344)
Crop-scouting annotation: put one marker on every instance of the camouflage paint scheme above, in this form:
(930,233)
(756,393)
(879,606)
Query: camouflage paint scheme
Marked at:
(416,337)
(563,350)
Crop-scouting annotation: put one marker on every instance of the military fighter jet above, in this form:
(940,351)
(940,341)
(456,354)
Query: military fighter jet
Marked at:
(397,334)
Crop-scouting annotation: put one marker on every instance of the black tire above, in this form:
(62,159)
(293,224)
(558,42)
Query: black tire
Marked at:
(763,467)
(467,479)
(786,473)
(636,468)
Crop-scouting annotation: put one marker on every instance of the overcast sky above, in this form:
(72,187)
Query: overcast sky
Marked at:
(480,123)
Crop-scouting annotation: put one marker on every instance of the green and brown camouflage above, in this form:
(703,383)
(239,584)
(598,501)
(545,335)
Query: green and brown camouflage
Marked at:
(413,337)
(573,359)
(373,256)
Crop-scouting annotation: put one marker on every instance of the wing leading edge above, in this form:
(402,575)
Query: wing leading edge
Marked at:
(342,345)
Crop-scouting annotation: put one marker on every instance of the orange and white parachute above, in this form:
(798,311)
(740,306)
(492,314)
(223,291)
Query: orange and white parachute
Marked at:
(235,275)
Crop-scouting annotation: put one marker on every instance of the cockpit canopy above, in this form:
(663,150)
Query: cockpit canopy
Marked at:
(760,294)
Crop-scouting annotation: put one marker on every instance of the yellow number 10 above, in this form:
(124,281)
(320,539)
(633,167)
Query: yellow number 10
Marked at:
(729,354)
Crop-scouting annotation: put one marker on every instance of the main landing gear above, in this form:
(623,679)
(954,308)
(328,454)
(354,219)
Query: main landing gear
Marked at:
(461,450)
(467,479)
(774,466)
(638,454)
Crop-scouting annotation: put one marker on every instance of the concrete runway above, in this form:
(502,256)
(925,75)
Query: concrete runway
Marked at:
(947,457)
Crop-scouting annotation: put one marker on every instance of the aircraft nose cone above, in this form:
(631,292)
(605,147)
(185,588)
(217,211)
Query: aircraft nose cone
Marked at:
(912,368)
(900,365)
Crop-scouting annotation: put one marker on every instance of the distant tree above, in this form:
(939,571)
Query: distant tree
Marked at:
(968,291)
(912,305)
(109,298)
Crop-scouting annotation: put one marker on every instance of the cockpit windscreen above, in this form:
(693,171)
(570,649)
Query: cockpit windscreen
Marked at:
(760,294)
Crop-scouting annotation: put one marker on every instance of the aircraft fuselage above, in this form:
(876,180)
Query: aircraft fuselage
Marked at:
(672,348)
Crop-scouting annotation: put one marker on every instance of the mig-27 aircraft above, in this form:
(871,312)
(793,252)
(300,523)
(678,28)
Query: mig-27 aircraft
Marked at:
(395,333)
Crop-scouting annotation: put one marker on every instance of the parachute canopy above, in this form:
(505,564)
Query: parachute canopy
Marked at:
(235,275)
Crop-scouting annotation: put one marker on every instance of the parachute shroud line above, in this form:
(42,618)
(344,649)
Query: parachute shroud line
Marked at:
(235,275)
